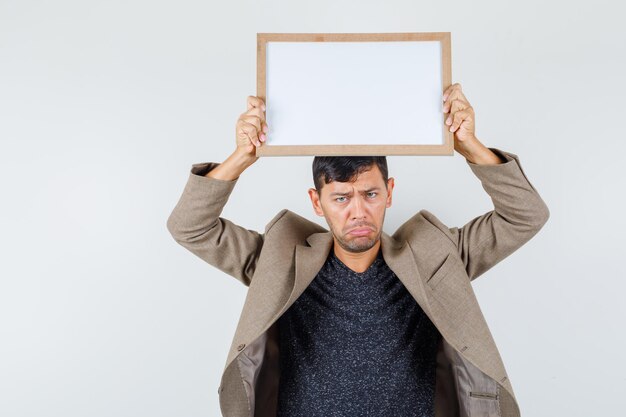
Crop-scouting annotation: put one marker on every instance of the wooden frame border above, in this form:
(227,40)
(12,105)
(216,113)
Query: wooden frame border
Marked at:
(334,150)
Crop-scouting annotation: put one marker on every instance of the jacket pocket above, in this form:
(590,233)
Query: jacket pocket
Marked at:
(485,395)
(478,394)
(441,272)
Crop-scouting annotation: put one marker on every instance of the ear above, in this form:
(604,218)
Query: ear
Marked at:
(390,185)
(315,200)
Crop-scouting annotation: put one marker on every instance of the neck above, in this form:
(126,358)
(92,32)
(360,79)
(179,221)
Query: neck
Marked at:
(357,261)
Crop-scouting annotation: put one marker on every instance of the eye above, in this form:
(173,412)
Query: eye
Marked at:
(373,192)
(336,199)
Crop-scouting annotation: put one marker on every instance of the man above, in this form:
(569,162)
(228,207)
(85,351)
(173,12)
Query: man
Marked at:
(351,321)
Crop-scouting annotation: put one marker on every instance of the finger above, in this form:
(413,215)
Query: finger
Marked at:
(257,102)
(446,92)
(251,132)
(259,123)
(455,94)
(253,120)
(450,88)
(253,141)
(458,118)
(254,111)
(455,104)
(447,97)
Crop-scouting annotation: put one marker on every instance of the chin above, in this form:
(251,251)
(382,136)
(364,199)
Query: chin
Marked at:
(358,243)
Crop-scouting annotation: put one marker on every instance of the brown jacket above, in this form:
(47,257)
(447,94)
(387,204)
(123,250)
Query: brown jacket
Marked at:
(434,262)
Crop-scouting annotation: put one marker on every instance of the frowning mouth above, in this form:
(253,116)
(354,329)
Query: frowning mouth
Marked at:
(361,231)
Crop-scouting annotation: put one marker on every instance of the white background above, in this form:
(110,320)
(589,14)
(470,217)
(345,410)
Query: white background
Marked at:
(104,106)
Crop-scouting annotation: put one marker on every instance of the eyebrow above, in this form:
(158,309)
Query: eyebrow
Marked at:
(364,191)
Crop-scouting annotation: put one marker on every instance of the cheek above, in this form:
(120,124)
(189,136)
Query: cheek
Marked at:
(379,206)
(378,210)
(338,216)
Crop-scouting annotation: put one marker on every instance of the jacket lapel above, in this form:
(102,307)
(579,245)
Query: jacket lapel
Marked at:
(398,256)
(309,260)
(400,259)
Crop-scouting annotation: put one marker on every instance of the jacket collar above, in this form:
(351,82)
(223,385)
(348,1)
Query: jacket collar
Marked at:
(398,256)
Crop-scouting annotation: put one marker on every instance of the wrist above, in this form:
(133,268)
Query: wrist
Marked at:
(242,159)
(469,148)
(477,153)
(231,168)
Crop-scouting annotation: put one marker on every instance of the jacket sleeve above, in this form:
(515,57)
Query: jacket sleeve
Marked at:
(519,213)
(195,223)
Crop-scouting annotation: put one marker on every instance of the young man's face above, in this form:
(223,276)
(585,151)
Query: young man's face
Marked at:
(355,211)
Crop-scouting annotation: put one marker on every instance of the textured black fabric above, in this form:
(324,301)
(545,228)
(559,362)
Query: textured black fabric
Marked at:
(356,344)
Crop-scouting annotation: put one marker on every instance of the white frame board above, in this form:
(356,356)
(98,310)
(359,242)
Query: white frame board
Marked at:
(354,93)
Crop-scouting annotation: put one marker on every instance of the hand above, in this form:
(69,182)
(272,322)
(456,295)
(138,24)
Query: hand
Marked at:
(461,118)
(251,128)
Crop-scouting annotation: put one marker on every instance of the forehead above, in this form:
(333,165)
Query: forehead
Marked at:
(365,180)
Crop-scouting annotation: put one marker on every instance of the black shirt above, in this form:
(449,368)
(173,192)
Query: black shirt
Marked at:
(356,344)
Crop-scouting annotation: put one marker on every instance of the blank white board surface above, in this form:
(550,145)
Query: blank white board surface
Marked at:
(354,93)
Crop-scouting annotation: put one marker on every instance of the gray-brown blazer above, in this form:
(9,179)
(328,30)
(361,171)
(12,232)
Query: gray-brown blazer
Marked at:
(434,262)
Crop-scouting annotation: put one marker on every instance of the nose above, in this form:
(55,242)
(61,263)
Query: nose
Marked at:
(358,210)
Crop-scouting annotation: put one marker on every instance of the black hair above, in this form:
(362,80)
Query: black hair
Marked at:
(345,168)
